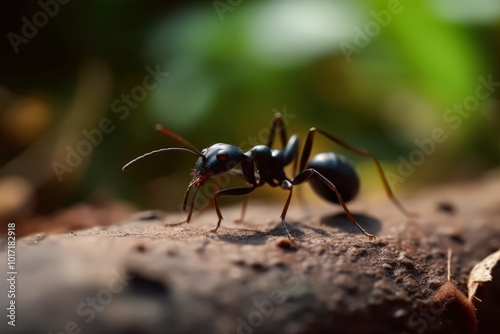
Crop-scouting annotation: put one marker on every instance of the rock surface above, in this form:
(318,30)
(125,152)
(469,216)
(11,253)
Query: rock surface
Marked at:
(142,277)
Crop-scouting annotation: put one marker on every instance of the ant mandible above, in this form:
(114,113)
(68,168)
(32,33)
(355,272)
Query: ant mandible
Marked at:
(330,175)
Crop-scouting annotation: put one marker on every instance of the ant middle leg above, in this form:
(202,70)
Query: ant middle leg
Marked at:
(243,210)
(239,173)
(286,185)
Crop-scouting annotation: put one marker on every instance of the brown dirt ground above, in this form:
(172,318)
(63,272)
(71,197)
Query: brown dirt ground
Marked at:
(249,279)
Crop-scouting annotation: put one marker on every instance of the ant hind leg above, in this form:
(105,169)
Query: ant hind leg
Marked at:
(306,174)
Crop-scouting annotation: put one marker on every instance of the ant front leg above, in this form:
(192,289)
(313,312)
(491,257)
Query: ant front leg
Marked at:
(306,174)
(228,192)
(184,205)
(364,153)
(210,202)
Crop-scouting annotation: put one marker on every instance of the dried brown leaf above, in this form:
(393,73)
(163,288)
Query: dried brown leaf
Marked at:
(481,273)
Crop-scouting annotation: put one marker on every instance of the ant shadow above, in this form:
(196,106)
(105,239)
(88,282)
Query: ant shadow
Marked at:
(337,220)
(341,221)
(256,237)
(260,237)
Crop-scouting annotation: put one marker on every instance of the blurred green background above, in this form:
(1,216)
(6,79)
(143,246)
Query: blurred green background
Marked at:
(231,65)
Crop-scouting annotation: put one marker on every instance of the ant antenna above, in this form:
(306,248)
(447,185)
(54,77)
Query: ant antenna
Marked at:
(162,150)
(166,132)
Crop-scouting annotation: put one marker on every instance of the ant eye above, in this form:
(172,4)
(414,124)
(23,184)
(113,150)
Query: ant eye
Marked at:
(221,155)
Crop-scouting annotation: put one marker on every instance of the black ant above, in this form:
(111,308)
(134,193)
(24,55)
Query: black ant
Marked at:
(330,175)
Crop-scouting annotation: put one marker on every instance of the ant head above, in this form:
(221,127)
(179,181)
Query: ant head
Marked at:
(216,159)
(212,161)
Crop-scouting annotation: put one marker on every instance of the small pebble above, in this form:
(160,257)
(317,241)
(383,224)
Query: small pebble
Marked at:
(387,266)
(446,207)
(400,313)
(286,243)
(140,248)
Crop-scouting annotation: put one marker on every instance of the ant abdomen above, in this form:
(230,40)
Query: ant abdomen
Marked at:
(338,171)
